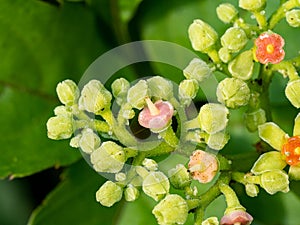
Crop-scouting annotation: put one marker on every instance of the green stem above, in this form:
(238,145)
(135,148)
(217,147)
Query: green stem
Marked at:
(239,177)
(170,137)
(266,75)
(261,19)
(280,12)
(232,200)
(286,68)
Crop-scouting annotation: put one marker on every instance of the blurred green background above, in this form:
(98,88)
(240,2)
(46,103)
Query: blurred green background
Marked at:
(45,42)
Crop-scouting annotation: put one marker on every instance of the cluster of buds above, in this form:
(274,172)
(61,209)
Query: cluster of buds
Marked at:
(107,135)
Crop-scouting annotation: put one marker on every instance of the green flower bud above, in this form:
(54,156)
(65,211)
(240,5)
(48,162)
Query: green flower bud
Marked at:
(234,39)
(89,141)
(227,12)
(213,117)
(62,111)
(94,97)
(293,17)
(224,54)
(187,91)
(119,89)
(292,92)
(294,172)
(211,221)
(254,119)
(233,92)
(272,134)
(137,94)
(218,140)
(296,131)
(203,37)
(179,177)
(251,190)
(131,193)
(108,158)
(156,185)
(252,5)
(173,209)
(197,70)
(160,87)
(74,142)
(120,177)
(275,181)
(150,164)
(67,92)
(109,193)
(242,66)
(60,127)
(268,161)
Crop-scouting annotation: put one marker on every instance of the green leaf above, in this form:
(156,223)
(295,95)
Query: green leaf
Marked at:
(74,201)
(40,45)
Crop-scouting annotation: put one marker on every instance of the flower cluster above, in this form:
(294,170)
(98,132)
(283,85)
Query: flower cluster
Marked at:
(248,55)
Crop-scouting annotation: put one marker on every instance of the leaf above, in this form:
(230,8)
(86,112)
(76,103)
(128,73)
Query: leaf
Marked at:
(74,201)
(40,45)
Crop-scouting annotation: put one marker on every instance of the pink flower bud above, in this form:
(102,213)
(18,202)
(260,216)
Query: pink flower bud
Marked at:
(203,166)
(236,217)
(269,48)
(156,116)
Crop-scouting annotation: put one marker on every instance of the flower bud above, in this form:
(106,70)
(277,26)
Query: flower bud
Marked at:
(268,161)
(108,158)
(74,142)
(203,37)
(89,141)
(187,91)
(292,92)
(293,17)
(275,181)
(254,119)
(203,166)
(227,13)
(242,66)
(252,5)
(156,185)
(67,92)
(150,164)
(131,193)
(213,117)
(236,217)
(160,87)
(62,111)
(179,176)
(252,190)
(224,54)
(197,70)
(109,193)
(120,177)
(296,130)
(234,39)
(218,140)
(211,221)
(60,127)
(233,92)
(94,97)
(137,93)
(119,89)
(173,209)
(272,134)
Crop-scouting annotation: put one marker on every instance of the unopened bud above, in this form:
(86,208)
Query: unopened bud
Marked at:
(67,92)
(211,221)
(294,172)
(131,193)
(109,193)
(252,5)
(224,54)
(108,158)
(160,87)
(187,91)
(203,37)
(156,185)
(150,164)
(60,127)
(233,92)
(179,176)
(89,141)
(234,39)
(254,119)
(94,97)
(119,89)
(242,66)
(213,117)
(293,17)
(218,140)
(173,209)
(252,190)
(197,70)
(227,12)
(137,94)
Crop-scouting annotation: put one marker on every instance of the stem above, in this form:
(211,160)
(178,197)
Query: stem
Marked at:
(280,12)
(261,19)
(169,136)
(232,200)
(239,177)
(286,68)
